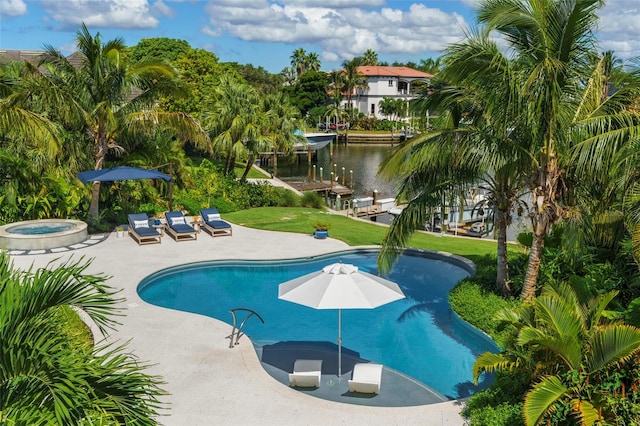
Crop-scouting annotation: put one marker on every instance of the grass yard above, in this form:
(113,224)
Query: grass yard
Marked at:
(354,232)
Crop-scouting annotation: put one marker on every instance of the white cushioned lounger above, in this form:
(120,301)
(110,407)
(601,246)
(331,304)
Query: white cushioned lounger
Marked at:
(366,378)
(307,373)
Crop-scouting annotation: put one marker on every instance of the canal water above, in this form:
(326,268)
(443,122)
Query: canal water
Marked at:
(364,161)
(358,164)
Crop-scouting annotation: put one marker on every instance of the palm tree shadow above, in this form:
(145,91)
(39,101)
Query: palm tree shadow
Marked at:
(282,355)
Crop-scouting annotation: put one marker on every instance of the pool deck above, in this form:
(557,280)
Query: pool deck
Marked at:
(209,383)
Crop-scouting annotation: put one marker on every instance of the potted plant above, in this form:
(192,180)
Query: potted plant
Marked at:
(321,229)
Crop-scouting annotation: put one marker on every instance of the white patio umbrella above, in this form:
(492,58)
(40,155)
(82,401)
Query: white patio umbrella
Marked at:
(340,286)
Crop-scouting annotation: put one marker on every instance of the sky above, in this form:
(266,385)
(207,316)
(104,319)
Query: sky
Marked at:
(266,32)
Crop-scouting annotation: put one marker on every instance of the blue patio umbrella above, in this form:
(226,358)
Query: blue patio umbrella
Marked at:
(121,173)
(125,173)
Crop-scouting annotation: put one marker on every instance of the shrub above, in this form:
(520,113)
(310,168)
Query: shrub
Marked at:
(321,225)
(500,404)
(151,209)
(223,205)
(312,200)
(476,300)
(477,306)
(287,198)
(189,204)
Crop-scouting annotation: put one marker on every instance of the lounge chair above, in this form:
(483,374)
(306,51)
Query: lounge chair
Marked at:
(306,373)
(366,378)
(141,230)
(213,224)
(178,227)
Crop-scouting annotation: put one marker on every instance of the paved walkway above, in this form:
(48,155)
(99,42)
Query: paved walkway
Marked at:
(208,383)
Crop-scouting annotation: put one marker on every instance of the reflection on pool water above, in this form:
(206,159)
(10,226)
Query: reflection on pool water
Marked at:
(419,335)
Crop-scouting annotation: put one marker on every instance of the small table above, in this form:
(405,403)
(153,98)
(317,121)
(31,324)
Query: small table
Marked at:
(197,224)
(159,226)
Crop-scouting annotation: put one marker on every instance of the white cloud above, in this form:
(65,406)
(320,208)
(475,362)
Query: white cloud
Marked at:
(619,28)
(341,28)
(68,49)
(336,4)
(472,3)
(12,7)
(211,32)
(126,14)
(162,9)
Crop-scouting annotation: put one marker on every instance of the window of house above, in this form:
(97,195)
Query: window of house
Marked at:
(373,109)
(390,83)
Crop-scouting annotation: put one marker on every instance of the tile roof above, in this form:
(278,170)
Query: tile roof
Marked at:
(32,56)
(380,71)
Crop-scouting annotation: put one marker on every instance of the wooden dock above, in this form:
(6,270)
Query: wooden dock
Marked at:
(324,186)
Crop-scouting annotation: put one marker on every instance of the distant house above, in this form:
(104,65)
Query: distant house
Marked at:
(31,56)
(389,82)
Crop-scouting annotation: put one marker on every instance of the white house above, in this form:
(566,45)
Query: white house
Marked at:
(389,82)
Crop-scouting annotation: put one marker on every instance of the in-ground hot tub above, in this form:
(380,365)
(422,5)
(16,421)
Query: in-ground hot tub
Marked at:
(42,234)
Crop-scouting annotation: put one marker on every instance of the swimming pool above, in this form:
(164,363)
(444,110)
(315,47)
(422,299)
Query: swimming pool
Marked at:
(419,335)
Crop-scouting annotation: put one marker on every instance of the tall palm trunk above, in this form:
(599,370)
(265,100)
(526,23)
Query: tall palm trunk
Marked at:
(502,276)
(228,164)
(535,255)
(547,212)
(247,168)
(100,151)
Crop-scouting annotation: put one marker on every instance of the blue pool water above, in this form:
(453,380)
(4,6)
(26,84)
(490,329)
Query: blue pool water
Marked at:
(40,228)
(419,335)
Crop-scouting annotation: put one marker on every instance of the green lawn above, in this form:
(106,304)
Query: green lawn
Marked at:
(353,232)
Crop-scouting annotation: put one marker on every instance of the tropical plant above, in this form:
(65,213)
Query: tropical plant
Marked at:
(552,41)
(45,376)
(299,61)
(108,98)
(568,347)
(352,80)
(369,57)
(430,65)
(280,127)
(474,143)
(235,120)
(548,100)
(313,62)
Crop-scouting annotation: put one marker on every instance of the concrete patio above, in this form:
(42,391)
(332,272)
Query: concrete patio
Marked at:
(209,383)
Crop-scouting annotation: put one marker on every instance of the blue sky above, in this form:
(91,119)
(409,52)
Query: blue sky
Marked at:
(266,32)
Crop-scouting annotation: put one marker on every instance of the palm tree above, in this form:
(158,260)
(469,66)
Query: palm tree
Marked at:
(352,80)
(477,142)
(280,125)
(606,171)
(30,150)
(235,120)
(553,41)
(566,344)
(312,62)
(18,122)
(46,377)
(430,65)
(299,61)
(106,96)
(289,74)
(369,57)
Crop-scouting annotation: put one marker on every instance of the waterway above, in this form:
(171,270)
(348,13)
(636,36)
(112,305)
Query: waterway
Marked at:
(358,164)
(364,161)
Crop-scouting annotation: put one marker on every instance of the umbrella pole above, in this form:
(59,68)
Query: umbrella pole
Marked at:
(339,342)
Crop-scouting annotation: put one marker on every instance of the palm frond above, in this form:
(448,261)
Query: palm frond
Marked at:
(540,399)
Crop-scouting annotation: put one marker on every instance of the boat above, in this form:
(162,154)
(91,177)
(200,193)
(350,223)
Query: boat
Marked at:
(314,141)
